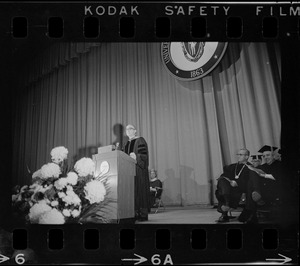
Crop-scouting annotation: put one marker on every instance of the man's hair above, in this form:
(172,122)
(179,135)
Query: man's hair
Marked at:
(247,151)
(131,125)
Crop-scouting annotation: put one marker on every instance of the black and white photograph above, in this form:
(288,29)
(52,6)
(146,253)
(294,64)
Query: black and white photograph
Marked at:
(94,121)
(147,134)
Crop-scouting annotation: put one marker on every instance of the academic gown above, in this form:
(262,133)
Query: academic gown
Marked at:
(271,190)
(225,193)
(141,181)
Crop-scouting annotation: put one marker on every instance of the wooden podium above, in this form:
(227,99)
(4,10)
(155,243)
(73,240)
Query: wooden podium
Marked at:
(119,168)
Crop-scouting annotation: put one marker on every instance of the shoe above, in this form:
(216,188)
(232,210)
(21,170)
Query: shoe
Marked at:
(256,196)
(223,219)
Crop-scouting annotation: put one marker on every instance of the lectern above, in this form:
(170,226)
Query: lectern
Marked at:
(119,168)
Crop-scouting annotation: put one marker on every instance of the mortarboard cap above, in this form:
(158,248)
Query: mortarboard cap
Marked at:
(267,148)
(256,157)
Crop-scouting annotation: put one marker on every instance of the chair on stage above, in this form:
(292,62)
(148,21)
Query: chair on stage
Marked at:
(158,201)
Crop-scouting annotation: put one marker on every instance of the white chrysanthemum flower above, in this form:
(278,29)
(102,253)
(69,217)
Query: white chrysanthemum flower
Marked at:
(61,183)
(69,188)
(72,178)
(70,193)
(52,217)
(76,200)
(68,200)
(61,194)
(85,166)
(71,198)
(37,174)
(66,212)
(54,203)
(59,154)
(37,210)
(75,213)
(95,191)
(50,170)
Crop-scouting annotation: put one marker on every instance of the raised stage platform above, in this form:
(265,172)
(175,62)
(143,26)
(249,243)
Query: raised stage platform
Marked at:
(206,215)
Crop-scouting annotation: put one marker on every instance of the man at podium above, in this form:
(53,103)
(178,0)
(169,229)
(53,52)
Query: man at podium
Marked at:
(137,148)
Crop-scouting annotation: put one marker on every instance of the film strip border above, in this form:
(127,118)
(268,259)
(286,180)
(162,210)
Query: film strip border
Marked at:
(157,245)
(151,21)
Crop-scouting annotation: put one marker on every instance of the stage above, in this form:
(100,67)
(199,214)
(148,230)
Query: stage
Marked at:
(209,215)
(187,215)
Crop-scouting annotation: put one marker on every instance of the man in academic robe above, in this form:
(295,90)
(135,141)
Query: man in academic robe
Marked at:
(265,184)
(137,148)
(231,184)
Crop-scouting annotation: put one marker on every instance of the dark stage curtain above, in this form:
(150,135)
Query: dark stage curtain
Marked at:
(82,96)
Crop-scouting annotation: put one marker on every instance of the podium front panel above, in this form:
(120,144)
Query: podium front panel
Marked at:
(119,170)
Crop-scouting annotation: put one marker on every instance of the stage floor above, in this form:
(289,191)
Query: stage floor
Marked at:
(209,215)
(188,215)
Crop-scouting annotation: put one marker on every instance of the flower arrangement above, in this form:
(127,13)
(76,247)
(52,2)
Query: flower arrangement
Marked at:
(60,195)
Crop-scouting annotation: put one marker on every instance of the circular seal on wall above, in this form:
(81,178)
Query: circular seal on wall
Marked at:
(191,60)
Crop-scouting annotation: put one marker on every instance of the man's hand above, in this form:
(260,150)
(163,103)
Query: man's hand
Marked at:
(269,176)
(132,155)
(233,183)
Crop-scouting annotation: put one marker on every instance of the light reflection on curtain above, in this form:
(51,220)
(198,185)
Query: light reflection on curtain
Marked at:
(192,128)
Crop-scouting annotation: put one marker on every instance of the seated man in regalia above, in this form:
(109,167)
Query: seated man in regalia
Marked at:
(232,184)
(265,184)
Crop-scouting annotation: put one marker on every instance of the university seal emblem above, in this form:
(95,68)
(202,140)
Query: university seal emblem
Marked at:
(193,50)
(191,60)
